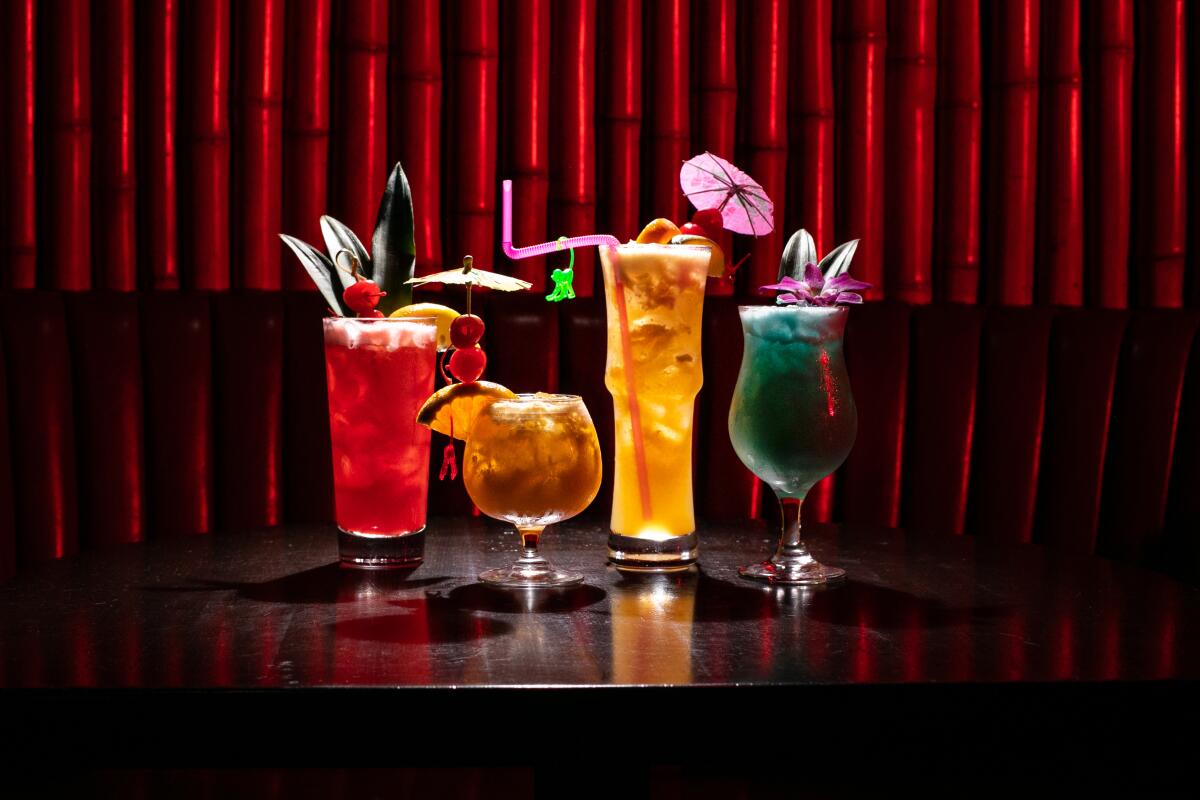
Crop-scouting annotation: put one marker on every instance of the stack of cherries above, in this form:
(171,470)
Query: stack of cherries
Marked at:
(468,359)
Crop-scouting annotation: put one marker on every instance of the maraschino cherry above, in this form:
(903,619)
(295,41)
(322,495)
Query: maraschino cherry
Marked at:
(362,296)
(466,331)
(710,219)
(467,363)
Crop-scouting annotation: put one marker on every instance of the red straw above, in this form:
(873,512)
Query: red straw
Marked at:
(635,414)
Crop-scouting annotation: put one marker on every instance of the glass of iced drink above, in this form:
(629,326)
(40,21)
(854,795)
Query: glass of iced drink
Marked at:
(655,298)
(532,461)
(792,420)
(379,372)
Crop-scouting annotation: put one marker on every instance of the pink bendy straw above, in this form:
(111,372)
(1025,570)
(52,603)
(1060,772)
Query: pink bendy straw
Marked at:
(594,240)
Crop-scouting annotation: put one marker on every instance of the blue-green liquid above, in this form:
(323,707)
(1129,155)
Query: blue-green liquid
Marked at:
(792,420)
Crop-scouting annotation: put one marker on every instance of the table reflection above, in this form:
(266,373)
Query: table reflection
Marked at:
(908,612)
(652,627)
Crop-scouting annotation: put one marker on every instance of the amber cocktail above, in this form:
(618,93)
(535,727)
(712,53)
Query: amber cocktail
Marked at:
(532,461)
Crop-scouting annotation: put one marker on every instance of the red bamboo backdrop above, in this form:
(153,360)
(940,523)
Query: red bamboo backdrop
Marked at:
(1001,152)
(1016,152)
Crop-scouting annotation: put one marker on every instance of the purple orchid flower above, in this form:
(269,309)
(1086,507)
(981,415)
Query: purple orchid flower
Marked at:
(814,290)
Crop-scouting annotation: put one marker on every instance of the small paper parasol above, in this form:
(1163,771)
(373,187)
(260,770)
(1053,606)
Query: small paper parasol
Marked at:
(470,277)
(712,182)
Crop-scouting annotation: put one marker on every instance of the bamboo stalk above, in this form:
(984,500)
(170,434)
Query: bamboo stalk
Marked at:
(527,98)
(204,232)
(1012,153)
(811,127)
(358,143)
(620,124)
(18,231)
(959,135)
(1060,185)
(573,175)
(116,217)
(667,52)
(68,239)
(714,115)
(1160,191)
(258,163)
(415,122)
(1107,149)
(861,49)
(157,54)
(305,128)
(474,49)
(766,134)
(912,94)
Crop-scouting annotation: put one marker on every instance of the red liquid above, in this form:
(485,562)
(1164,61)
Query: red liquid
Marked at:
(380,453)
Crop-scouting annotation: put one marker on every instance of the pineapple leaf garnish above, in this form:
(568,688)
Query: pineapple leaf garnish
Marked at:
(339,237)
(323,273)
(394,243)
(800,251)
(837,260)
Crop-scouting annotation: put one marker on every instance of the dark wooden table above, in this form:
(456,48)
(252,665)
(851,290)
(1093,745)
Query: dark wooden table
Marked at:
(135,651)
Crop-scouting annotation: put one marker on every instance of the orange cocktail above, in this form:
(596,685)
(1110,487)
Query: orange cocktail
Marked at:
(655,303)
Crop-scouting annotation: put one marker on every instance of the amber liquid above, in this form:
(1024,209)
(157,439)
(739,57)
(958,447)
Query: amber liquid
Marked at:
(662,288)
(534,461)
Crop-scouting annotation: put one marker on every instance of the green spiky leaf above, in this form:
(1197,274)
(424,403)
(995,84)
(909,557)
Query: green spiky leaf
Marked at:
(394,243)
(837,260)
(327,277)
(800,250)
(338,237)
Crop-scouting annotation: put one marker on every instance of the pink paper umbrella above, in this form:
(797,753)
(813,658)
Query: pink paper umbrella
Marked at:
(712,182)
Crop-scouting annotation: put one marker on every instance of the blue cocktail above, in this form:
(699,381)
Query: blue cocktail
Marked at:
(792,420)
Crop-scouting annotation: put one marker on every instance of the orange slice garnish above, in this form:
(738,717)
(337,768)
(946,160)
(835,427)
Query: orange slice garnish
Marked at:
(452,409)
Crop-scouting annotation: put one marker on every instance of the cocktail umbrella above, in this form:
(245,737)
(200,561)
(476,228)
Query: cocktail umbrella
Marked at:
(712,182)
(470,277)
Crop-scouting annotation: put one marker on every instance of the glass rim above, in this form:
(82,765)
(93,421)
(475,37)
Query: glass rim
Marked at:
(377,320)
(795,306)
(541,397)
(628,245)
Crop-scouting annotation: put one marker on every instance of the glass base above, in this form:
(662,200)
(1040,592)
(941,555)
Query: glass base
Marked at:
(642,554)
(531,576)
(372,551)
(806,574)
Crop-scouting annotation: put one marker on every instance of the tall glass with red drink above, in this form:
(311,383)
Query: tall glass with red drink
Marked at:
(379,372)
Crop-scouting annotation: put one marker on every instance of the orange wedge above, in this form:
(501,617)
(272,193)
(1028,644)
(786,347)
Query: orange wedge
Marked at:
(716,262)
(658,231)
(452,409)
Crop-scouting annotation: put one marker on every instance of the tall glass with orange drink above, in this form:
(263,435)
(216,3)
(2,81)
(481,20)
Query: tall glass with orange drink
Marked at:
(655,296)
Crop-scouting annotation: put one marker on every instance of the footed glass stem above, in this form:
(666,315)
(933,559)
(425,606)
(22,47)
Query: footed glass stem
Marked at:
(792,563)
(531,570)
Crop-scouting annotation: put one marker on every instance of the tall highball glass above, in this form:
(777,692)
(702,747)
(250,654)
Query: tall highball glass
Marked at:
(655,296)
(379,372)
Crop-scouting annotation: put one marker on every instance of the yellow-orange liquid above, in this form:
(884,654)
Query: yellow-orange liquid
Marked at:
(663,291)
(533,461)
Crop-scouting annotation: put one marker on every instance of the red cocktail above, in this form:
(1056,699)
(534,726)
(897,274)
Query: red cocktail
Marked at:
(379,372)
